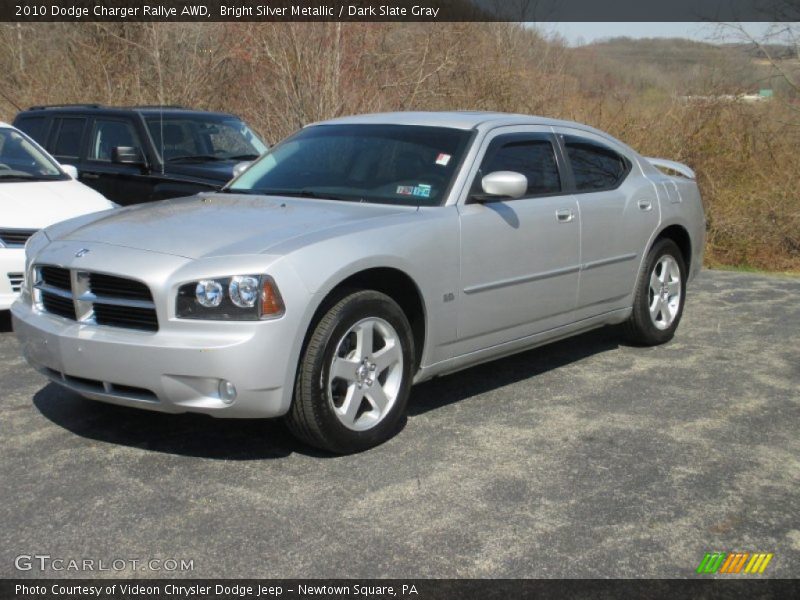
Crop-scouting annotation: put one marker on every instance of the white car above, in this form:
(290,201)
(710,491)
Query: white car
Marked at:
(35,191)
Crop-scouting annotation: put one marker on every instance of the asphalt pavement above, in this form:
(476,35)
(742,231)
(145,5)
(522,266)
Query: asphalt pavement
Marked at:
(586,458)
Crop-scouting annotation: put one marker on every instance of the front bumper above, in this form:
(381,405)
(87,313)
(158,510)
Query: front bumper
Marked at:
(167,371)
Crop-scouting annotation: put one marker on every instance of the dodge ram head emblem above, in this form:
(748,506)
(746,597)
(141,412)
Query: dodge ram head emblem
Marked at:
(81,252)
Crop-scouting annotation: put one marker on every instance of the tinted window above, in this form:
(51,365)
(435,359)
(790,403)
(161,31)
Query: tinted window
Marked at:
(108,135)
(68,138)
(397,164)
(21,160)
(535,159)
(186,137)
(33,126)
(594,166)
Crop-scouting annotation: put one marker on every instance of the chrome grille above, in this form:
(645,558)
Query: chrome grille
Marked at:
(58,305)
(56,277)
(15,279)
(15,238)
(95,298)
(125,316)
(117,287)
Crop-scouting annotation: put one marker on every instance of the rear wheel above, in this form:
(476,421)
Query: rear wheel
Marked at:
(659,297)
(355,375)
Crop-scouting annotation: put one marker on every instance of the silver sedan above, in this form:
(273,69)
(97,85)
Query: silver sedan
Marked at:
(357,257)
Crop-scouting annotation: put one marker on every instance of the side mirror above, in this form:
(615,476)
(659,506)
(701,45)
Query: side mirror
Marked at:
(70,170)
(503,184)
(241,168)
(127,155)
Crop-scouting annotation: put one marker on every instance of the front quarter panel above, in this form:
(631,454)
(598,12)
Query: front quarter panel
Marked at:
(423,244)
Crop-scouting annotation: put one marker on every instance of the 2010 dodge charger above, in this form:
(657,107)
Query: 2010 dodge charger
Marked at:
(357,257)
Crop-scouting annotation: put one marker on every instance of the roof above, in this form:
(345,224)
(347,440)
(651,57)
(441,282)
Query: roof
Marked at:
(4,124)
(454,119)
(467,120)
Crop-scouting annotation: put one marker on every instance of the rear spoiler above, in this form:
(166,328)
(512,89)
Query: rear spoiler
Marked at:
(672,166)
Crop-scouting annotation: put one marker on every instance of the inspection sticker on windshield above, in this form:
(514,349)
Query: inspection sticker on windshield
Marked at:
(421,191)
(443,159)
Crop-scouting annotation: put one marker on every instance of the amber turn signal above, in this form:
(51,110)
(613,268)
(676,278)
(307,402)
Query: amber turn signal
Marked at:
(271,301)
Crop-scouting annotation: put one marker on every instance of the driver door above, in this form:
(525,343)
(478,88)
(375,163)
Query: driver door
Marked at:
(520,258)
(123,183)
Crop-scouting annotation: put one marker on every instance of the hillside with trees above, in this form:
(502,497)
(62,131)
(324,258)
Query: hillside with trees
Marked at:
(670,98)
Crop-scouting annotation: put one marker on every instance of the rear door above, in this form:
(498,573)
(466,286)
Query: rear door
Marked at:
(618,215)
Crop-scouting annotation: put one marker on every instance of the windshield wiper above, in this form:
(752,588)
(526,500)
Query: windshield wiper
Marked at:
(291,193)
(197,157)
(25,176)
(243,157)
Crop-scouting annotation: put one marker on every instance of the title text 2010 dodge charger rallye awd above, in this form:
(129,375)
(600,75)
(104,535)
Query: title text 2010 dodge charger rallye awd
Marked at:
(355,258)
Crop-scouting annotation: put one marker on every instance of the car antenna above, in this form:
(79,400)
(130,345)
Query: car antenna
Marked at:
(161,125)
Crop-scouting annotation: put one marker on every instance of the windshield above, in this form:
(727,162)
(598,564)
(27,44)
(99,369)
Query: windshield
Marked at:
(204,138)
(21,159)
(394,164)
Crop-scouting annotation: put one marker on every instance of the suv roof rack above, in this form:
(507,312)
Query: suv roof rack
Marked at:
(93,105)
(78,105)
(160,106)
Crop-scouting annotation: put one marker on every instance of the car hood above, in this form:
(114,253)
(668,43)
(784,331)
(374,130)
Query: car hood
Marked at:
(37,204)
(218,224)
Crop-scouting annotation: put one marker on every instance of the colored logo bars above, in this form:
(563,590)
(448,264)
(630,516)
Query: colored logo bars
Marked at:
(732,563)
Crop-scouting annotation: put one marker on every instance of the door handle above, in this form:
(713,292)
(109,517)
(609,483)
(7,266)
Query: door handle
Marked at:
(645,205)
(85,175)
(565,215)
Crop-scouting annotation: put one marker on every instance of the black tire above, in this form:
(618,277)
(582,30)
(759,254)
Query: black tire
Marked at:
(312,417)
(641,329)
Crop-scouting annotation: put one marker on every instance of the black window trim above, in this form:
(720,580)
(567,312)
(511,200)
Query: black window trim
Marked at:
(501,139)
(573,188)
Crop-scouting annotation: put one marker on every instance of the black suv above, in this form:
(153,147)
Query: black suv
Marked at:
(144,153)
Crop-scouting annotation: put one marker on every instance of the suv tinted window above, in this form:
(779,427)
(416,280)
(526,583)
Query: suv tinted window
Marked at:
(108,135)
(594,166)
(191,136)
(534,158)
(68,138)
(33,126)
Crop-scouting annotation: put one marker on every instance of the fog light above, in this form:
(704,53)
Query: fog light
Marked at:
(227,391)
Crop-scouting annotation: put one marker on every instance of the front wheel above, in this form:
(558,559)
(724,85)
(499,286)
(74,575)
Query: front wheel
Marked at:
(354,376)
(659,296)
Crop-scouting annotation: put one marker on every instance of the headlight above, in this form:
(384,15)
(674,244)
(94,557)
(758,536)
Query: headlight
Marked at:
(209,293)
(244,291)
(237,298)
(33,246)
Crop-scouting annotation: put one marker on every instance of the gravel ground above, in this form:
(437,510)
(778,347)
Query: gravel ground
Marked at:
(586,458)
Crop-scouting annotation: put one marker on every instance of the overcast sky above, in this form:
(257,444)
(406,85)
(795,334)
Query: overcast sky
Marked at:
(576,33)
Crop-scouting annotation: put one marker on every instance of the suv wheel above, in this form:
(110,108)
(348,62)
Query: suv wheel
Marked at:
(354,376)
